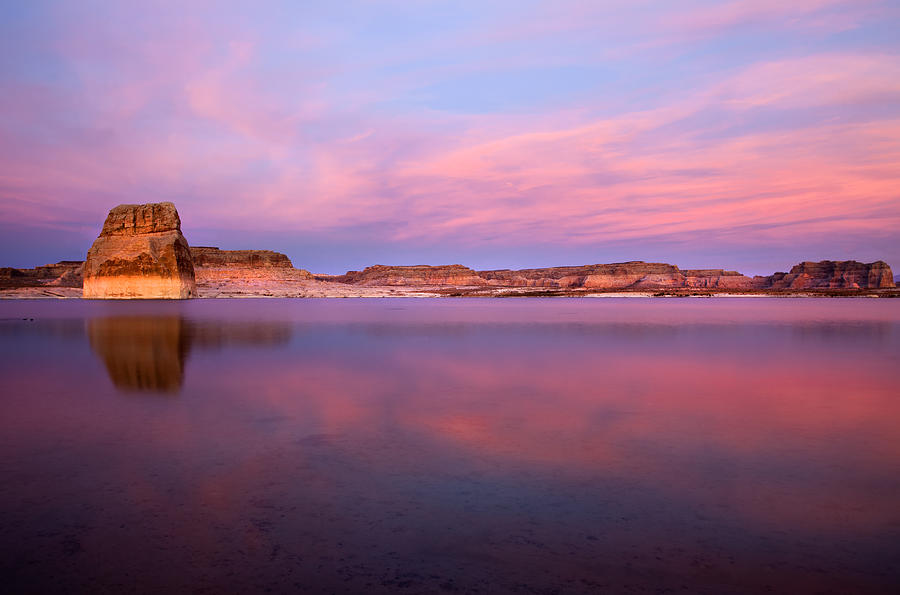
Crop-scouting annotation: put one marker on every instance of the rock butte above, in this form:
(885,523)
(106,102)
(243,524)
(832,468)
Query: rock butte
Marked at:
(140,253)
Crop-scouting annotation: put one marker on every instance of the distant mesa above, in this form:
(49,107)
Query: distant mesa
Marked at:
(66,273)
(209,256)
(451,274)
(624,275)
(634,275)
(828,274)
(243,270)
(140,253)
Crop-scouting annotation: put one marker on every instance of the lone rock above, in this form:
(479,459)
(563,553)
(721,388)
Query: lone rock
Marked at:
(140,253)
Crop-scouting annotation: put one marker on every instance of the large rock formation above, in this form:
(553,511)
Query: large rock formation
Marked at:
(234,272)
(420,275)
(831,274)
(140,253)
(66,273)
(716,279)
(624,275)
(212,257)
(636,275)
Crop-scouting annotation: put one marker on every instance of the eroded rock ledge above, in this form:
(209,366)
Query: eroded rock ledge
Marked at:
(65,273)
(634,275)
(829,274)
(417,275)
(245,272)
(212,257)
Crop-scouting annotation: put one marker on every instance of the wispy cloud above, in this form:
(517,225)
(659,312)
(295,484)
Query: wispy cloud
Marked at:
(655,125)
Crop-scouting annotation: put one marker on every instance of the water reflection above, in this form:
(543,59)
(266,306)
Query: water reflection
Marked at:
(335,446)
(142,353)
(148,353)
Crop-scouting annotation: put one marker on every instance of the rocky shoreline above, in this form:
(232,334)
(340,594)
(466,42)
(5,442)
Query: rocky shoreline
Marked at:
(141,253)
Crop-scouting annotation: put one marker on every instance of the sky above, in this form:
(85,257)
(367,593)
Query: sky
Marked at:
(738,134)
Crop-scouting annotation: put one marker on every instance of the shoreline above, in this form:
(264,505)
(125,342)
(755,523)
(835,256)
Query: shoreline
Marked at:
(330,290)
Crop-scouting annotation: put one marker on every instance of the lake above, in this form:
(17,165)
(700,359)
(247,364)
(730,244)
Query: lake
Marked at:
(451,445)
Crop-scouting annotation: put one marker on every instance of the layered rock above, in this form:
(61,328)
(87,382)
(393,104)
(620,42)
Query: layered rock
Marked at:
(625,275)
(210,256)
(831,274)
(66,273)
(243,270)
(140,253)
(418,275)
(716,279)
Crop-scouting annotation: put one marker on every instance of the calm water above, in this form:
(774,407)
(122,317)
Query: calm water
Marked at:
(534,446)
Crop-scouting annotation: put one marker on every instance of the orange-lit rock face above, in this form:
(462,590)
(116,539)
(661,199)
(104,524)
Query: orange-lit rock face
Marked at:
(830,274)
(140,253)
(210,256)
(244,270)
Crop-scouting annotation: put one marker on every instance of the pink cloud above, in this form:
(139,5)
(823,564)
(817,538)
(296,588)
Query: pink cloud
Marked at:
(240,147)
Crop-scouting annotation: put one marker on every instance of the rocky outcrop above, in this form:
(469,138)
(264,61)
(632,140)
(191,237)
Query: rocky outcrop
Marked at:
(140,253)
(624,275)
(637,275)
(418,275)
(209,256)
(831,274)
(219,271)
(66,273)
(716,279)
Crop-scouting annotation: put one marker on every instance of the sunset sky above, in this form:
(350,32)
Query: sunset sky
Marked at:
(747,134)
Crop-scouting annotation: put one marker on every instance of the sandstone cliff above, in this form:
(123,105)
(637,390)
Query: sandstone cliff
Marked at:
(636,275)
(140,253)
(831,274)
(451,274)
(625,275)
(210,256)
(66,273)
(243,270)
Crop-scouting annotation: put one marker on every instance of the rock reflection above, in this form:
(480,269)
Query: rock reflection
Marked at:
(142,353)
(148,353)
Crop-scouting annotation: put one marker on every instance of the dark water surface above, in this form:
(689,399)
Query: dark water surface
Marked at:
(490,446)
